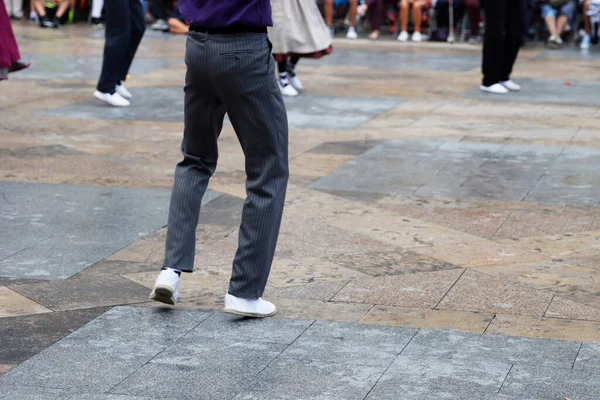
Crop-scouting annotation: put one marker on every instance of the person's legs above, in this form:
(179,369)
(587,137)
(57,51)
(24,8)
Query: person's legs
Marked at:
(376,11)
(328,11)
(493,43)
(352,7)
(587,25)
(549,16)
(118,39)
(514,37)
(473,11)
(404,11)
(97,8)
(246,85)
(203,121)
(137,26)
(159,9)
(417,14)
(567,13)
(63,6)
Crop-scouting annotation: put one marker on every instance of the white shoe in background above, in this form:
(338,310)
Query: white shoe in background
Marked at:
(351,33)
(403,36)
(114,99)
(416,37)
(496,88)
(166,287)
(288,90)
(258,308)
(296,83)
(510,85)
(122,90)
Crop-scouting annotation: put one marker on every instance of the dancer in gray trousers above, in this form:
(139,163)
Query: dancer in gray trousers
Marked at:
(229,70)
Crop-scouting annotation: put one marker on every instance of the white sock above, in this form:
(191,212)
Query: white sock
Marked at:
(97,8)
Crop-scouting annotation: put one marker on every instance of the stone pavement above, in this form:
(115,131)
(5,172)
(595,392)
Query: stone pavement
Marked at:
(414,202)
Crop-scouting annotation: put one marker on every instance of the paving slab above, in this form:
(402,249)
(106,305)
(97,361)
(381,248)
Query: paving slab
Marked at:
(544,90)
(22,392)
(55,231)
(309,111)
(552,383)
(588,357)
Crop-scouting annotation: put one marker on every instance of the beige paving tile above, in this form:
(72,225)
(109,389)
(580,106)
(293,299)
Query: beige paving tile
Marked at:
(427,318)
(475,222)
(4,368)
(524,224)
(13,304)
(550,328)
(568,309)
(480,253)
(316,309)
(424,289)
(310,291)
(561,277)
(582,244)
(317,165)
(475,291)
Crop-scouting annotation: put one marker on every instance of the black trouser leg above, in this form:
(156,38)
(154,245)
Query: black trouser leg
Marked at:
(159,9)
(138,26)
(514,36)
(493,42)
(118,38)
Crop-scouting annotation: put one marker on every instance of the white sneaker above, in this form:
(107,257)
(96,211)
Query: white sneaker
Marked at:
(288,90)
(351,34)
(403,36)
(160,25)
(496,88)
(510,85)
(114,99)
(296,83)
(416,37)
(122,90)
(258,308)
(166,288)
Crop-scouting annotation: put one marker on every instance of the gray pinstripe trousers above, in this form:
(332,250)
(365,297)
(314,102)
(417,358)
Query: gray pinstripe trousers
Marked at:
(233,74)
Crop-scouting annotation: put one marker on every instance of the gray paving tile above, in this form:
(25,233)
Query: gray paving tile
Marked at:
(55,231)
(400,60)
(354,147)
(85,292)
(429,377)
(552,383)
(37,393)
(25,336)
(182,382)
(353,344)
(505,349)
(272,330)
(84,68)
(588,357)
(305,111)
(220,353)
(287,379)
(542,90)
(101,354)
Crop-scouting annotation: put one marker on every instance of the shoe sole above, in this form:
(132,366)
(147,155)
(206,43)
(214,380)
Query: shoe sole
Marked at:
(490,92)
(99,97)
(163,294)
(248,314)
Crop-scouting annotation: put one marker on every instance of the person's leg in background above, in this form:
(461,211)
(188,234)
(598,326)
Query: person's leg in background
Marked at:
(474,12)
(97,6)
(40,8)
(587,27)
(328,10)
(14,8)
(566,15)
(160,14)
(352,10)
(549,16)
(116,48)
(283,66)
(493,45)
(404,12)
(376,13)
(292,76)
(512,43)
(417,18)
(137,26)
(442,19)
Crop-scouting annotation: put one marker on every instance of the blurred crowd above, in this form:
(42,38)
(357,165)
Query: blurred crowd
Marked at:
(552,21)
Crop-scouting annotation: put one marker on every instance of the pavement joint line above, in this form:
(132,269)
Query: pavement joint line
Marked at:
(505,378)
(577,355)
(547,307)
(159,353)
(391,363)
(367,312)
(451,287)
(490,323)
(342,288)
(501,225)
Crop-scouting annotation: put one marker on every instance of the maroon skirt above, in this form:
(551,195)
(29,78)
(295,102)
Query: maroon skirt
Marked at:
(9,52)
(316,54)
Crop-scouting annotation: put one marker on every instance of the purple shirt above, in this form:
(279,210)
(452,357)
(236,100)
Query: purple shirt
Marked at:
(224,13)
